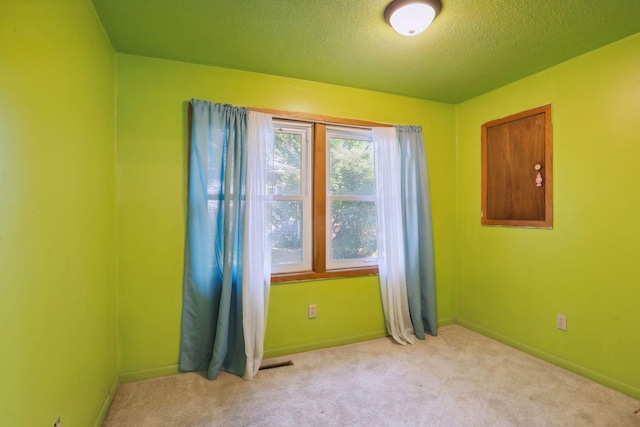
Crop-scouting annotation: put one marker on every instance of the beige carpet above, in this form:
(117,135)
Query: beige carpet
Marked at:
(459,378)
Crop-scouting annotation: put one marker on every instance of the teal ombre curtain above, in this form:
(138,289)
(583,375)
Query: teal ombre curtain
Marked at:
(390,236)
(212,312)
(213,336)
(418,231)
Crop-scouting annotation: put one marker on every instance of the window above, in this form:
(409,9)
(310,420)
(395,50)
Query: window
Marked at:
(324,214)
(289,183)
(351,207)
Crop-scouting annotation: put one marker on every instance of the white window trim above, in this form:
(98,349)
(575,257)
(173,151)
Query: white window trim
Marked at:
(305,130)
(361,134)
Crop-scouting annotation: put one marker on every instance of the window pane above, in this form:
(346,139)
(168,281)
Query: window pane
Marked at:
(353,230)
(286,235)
(285,174)
(351,167)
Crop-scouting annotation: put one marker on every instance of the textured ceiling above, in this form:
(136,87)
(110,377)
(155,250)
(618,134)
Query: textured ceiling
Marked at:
(472,47)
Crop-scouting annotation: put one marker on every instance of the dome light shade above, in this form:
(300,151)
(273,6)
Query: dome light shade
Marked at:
(411,17)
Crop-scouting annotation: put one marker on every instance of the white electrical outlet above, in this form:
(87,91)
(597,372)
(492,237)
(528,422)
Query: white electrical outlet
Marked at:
(312,311)
(561,322)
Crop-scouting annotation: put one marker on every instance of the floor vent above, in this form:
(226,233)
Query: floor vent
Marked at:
(276,365)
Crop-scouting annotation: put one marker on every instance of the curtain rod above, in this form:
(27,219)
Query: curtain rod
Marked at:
(318,118)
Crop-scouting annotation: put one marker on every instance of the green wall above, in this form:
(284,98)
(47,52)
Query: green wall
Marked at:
(152,146)
(349,310)
(512,282)
(57,213)
(64,228)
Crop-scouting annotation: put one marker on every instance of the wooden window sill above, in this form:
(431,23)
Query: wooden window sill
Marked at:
(300,276)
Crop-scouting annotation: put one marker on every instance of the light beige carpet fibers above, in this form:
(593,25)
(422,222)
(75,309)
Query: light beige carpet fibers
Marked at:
(459,378)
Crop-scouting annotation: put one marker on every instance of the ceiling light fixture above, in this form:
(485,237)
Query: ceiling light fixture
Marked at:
(411,17)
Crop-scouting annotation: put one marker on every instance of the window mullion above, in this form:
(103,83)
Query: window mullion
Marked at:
(319,197)
(353,198)
(288,198)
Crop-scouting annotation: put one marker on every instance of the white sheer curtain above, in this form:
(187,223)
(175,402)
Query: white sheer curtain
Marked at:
(391,259)
(257,262)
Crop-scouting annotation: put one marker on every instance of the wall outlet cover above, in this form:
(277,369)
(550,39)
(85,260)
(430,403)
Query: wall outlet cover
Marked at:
(312,311)
(561,322)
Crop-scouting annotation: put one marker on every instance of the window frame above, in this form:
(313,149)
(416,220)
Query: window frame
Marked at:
(352,133)
(305,130)
(319,160)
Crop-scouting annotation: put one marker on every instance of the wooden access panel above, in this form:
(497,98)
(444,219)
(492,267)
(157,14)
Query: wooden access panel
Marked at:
(517,170)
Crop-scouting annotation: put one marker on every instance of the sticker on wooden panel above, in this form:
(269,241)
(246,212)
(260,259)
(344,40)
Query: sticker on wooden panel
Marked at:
(517,170)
